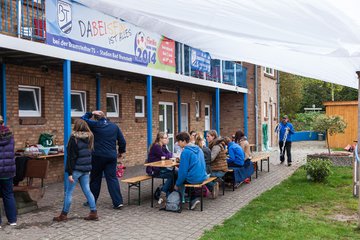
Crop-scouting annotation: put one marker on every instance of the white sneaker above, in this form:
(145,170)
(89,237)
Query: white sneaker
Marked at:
(194,203)
(12,224)
(160,201)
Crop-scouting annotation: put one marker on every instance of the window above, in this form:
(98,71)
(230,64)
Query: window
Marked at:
(266,109)
(269,71)
(78,103)
(29,101)
(139,106)
(112,105)
(197,109)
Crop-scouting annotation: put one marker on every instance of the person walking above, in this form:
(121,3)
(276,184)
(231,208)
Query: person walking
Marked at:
(105,155)
(78,166)
(7,172)
(285,129)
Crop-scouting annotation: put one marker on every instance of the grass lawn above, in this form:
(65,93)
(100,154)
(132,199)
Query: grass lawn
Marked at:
(297,209)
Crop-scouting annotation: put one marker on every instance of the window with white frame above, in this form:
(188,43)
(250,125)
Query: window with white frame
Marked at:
(269,71)
(29,101)
(266,110)
(112,105)
(78,103)
(139,106)
(197,109)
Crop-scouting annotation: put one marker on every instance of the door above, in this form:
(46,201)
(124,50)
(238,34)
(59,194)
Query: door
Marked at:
(166,121)
(184,118)
(207,117)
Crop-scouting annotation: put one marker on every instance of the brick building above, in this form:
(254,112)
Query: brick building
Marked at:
(35,74)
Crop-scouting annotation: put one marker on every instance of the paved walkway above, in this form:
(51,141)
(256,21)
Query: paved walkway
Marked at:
(144,222)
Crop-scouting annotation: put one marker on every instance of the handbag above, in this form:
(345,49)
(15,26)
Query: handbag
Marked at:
(120,170)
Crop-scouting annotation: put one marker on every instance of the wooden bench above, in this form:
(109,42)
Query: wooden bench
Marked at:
(199,185)
(261,156)
(135,182)
(28,195)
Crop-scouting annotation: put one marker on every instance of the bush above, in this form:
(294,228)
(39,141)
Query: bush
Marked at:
(304,121)
(318,170)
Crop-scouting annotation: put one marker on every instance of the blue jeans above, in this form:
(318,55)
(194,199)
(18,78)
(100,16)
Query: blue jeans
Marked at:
(169,176)
(108,166)
(83,178)
(6,190)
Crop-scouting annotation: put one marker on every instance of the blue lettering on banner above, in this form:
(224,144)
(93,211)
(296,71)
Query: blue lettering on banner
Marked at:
(78,46)
(200,60)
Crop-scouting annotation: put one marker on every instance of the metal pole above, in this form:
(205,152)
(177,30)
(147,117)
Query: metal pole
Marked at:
(256,108)
(98,92)
(179,110)
(245,114)
(149,109)
(67,111)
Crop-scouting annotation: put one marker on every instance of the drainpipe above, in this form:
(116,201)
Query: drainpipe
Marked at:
(3,92)
(67,111)
(358,138)
(256,109)
(149,109)
(19,5)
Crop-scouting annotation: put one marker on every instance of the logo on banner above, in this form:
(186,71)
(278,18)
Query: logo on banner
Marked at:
(64,16)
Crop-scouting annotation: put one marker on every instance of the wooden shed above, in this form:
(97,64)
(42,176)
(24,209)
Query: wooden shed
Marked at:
(348,110)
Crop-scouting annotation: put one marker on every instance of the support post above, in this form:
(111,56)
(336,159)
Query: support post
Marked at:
(3,92)
(217,105)
(149,109)
(245,114)
(179,109)
(67,111)
(98,92)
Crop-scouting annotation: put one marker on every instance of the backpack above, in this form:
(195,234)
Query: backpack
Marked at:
(173,202)
(46,140)
(158,192)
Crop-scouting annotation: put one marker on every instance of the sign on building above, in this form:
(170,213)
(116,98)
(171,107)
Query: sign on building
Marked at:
(78,28)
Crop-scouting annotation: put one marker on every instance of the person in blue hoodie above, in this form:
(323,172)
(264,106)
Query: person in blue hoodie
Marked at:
(236,154)
(285,130)
(192,168)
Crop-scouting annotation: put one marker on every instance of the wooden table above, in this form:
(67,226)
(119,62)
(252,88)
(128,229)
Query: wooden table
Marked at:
(49,156)
(261,156)
(161,164)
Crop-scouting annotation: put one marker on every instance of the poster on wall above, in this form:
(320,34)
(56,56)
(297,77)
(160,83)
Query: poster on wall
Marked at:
(200,61)
(75,27)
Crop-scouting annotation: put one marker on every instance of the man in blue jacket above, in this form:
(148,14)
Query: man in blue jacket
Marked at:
(104,156)
(285,130)
(192,168)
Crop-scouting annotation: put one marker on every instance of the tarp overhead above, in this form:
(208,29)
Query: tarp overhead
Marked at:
(318,39)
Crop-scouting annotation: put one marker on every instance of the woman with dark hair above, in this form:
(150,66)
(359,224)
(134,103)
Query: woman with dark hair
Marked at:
(7,172)
(157,152)
(218,159)
(241,139)
(78,166)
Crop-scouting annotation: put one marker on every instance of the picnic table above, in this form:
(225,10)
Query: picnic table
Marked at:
(161,164)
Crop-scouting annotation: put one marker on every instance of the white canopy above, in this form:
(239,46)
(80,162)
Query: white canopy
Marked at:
(318,39)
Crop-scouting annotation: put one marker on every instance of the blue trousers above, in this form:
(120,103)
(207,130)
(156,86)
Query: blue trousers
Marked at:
(7,192)
(169,176)
(83,178)
(108,166)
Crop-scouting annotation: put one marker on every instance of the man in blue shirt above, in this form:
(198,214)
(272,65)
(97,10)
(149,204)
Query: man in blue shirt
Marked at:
(285,130)
(104,156)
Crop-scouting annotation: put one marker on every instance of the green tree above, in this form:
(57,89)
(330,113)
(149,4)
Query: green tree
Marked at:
(330,125)
(290,93)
